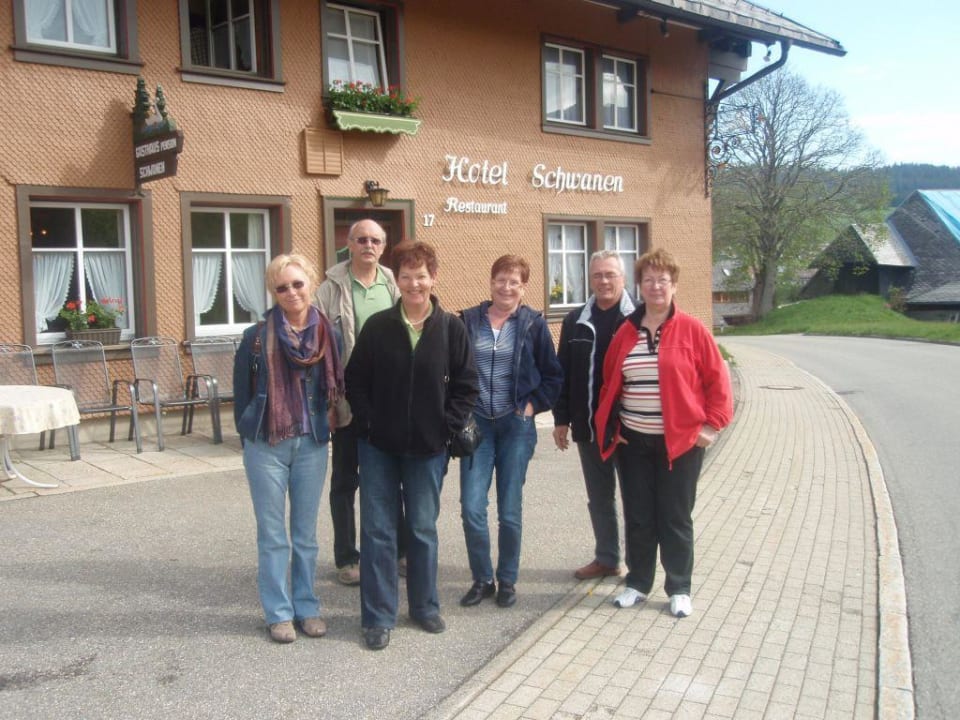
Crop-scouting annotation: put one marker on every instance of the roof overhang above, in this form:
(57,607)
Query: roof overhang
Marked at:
(728,21)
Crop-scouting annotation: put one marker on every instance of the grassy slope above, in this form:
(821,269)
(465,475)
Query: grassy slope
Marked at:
(860,315)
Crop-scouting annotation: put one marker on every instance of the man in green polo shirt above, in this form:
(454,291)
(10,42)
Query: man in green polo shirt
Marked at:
(354,290)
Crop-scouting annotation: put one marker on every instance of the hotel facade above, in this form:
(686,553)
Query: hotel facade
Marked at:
(547,128)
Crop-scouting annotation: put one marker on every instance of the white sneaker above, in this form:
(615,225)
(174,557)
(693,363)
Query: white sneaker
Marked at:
(681,605)
(628,598)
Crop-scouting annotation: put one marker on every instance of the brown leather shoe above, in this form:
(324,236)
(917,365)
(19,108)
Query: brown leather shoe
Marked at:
(313,627)
(595,569)
(349,574)
(283,632)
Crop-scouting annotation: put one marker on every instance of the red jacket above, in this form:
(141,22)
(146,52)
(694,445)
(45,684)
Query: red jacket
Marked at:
(694,382)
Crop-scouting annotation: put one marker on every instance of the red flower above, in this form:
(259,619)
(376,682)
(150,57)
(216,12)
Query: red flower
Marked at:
(71,305)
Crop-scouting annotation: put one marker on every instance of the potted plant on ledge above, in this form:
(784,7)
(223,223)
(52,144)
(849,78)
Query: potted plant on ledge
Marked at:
(96,321)
(363,106)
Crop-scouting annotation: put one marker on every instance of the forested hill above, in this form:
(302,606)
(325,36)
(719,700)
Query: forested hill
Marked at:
(907,177)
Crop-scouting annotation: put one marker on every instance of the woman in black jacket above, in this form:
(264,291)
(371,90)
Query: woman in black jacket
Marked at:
(411,381)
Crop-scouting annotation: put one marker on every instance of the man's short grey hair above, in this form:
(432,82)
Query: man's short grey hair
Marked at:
(605,254)
(353,228)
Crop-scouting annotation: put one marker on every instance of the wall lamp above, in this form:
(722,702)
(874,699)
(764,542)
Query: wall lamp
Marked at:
(377,194)
(664,30)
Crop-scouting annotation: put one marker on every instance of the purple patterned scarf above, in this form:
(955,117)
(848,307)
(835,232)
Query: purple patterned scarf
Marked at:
(288,358)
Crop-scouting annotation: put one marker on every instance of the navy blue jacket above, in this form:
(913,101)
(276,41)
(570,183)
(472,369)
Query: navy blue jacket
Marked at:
(250,389)
(580,361)
(537,374)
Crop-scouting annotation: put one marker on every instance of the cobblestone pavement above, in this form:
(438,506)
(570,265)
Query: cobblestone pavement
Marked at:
(799,605)
(791,618)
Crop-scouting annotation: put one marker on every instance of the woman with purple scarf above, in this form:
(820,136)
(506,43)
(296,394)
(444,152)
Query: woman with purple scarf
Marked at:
(287,378)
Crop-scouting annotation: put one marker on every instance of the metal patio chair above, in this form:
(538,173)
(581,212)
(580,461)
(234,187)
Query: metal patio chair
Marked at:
(81,366)
(159,382)
(18,366)
(213,357)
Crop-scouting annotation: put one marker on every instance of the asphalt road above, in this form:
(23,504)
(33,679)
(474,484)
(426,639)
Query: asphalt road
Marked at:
(139,601)
(907,396)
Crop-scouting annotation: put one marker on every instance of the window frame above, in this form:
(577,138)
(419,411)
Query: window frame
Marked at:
(124,57)
(595,239)
(268,72)
(140,272)
(617,61)
(593,92)
(277,209)
(390,23)
(582,75)
(351,39)
(628,267)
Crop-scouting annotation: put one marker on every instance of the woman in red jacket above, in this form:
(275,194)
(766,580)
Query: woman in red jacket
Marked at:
(665,397)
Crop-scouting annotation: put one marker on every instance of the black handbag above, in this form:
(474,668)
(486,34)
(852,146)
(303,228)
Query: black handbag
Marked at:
(463,443)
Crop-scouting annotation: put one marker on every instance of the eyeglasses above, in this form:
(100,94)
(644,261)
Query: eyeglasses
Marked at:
(608,276)
(510,284)
(295,285)
(367,240)
(658,282)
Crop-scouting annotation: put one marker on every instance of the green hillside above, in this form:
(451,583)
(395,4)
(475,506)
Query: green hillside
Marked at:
(858,315)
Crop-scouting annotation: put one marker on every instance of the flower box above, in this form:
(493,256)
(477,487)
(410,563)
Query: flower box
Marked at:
(371,122)
(107,336)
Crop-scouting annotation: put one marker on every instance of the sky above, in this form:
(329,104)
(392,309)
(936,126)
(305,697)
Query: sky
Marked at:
(899,78)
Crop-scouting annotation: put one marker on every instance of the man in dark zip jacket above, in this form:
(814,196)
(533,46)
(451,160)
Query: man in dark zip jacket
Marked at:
(584,338)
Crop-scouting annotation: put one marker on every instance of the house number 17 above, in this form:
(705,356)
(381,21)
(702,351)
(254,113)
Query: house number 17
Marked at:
(428,219)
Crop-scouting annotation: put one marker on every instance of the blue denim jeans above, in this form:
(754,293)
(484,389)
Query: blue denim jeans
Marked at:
(294,467)
(385,479)
(507,446)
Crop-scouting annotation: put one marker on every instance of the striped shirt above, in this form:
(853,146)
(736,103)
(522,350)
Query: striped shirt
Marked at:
(640,408)
(494,355)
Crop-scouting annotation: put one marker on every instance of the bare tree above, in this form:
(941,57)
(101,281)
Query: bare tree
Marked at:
(802,173)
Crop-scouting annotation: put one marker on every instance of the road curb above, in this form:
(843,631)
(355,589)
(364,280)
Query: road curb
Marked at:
(895,689)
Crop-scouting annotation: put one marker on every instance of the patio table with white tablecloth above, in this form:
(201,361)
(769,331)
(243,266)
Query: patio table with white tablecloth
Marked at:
(29,409)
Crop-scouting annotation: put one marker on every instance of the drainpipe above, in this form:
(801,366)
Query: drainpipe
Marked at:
(721,94)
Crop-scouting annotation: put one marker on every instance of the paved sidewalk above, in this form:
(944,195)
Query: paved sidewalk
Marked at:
(789,619)
(799,604)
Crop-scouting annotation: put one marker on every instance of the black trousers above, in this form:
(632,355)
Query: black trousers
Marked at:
(344,483)
(657,508)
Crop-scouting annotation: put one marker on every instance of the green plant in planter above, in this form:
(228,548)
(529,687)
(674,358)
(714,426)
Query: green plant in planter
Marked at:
(95,316)
(365,97)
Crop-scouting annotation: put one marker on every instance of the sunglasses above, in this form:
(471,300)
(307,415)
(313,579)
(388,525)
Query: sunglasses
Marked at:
(367,240)
(295,285)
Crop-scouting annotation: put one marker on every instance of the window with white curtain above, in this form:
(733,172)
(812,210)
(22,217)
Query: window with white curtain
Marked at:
(619,94)
(588,90)
(87,34)
(625,239)
(354,46)
(563,84)
(567,261)
(570,242)
(81,252)
(230,249)
(77,24)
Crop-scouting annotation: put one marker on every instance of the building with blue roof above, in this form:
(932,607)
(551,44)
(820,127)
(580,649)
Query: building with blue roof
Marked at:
(916,251)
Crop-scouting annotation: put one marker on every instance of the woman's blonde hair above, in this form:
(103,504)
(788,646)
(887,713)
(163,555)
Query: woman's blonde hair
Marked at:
(280,262)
